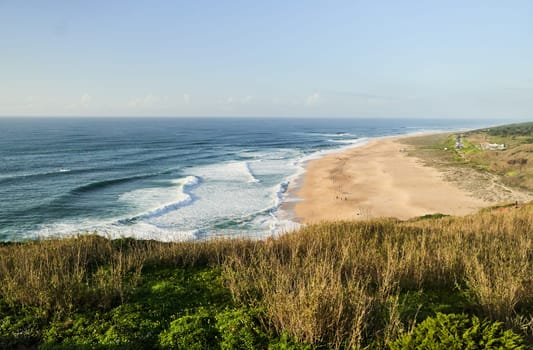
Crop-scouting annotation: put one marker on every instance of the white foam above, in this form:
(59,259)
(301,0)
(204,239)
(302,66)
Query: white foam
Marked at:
(327,134)
(240,171)
(230,199)
(166,208)
(14,175)
(232,195)
(346,141)
(111,230)
(187,181)
(146,230)
(280,227)
(157,201)
(251,176)
(250,154)
(342,134)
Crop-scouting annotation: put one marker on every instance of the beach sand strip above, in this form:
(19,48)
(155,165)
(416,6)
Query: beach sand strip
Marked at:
(378,179)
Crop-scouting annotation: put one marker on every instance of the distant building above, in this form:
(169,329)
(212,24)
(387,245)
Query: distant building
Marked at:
(459,142)
(493,146)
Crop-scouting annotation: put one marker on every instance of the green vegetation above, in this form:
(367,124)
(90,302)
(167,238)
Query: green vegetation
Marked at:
(431,216)
(513,164)
(522,129)
(340,285)
(458,332)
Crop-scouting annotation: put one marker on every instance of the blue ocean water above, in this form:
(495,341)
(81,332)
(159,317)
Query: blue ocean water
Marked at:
(166,178)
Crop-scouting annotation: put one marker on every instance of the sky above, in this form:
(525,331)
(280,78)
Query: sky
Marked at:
(362,59)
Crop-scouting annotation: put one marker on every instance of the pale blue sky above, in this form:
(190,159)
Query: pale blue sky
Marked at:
(471,59)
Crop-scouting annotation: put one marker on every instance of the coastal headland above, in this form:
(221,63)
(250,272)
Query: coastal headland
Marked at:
(383,179)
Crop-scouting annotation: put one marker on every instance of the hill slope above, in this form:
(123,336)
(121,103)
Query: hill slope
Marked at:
(332,285)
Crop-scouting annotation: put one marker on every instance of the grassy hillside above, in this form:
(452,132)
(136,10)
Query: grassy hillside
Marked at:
(521,130)
(513,165)
(369,284)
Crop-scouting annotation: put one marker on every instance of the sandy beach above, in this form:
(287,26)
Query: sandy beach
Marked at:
(378,180)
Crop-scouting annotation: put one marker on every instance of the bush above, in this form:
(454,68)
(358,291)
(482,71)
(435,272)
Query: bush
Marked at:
(455,331)
(286,342)
(130,328)
(191,332)
(81,332)
(240,329)
(23,331)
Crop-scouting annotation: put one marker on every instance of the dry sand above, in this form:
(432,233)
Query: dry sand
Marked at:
(378,180)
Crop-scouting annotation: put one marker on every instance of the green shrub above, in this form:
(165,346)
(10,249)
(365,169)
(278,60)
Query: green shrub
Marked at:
(459,332)
(80,332)
(23,331)
(130,327)
(240,329)
(432,216)
(286,342)
(192,332)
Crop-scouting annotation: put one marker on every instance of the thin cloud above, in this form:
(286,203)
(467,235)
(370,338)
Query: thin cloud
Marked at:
(360,95)
(28,103)
(148,101)
(85,100)
(312,99)
(232,100)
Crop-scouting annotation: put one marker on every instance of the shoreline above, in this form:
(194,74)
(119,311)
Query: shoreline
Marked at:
(286,209)
(376,179)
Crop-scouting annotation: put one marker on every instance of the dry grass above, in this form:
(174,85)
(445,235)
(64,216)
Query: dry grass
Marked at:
(339,283)
(336,284)
(512,167)
(62,275)
(58,275)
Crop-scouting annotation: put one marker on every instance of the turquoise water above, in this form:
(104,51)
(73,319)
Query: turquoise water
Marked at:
(166,178)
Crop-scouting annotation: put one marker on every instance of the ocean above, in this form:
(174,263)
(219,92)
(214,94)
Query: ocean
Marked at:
(168,179)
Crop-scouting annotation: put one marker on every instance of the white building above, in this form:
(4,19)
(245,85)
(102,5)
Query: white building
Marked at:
(493,146)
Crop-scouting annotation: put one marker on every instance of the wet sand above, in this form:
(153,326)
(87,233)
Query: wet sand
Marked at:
(377,180)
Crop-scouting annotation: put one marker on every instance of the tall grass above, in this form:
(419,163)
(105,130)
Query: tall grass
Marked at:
(89,271)
(59,275)
(337,284)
